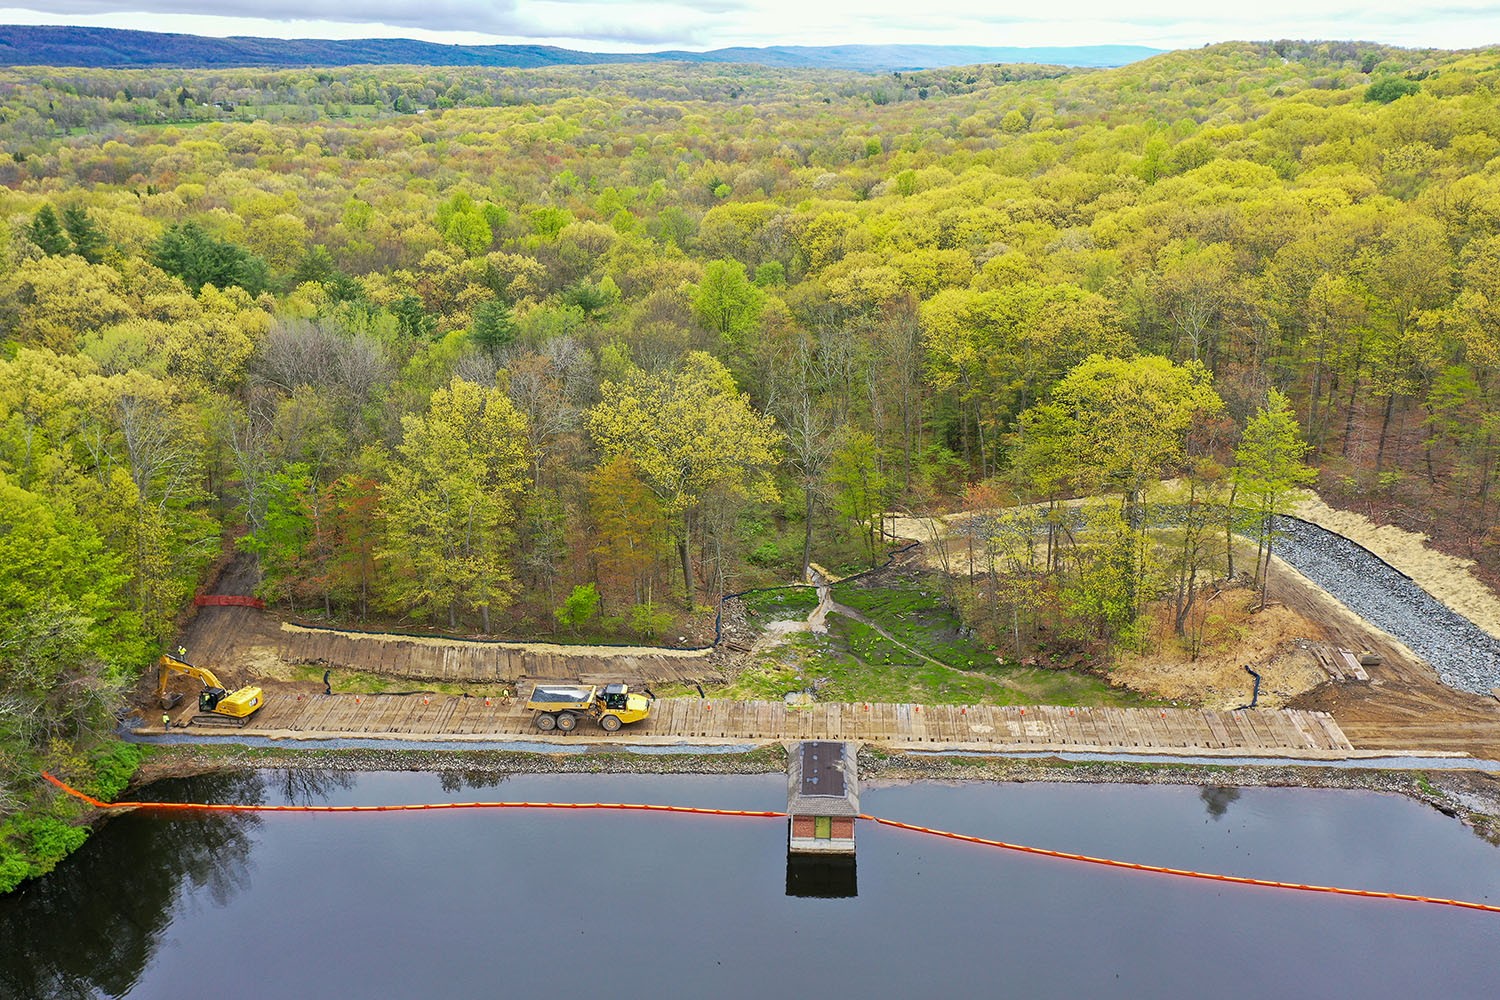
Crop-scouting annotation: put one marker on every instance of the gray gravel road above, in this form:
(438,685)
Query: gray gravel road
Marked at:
(1464,656)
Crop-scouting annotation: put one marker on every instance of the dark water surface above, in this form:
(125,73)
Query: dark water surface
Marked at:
(501,903)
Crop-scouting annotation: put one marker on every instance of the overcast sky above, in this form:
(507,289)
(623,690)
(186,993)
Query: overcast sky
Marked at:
(629,25)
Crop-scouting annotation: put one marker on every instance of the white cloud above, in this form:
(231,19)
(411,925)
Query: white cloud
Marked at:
(697,24)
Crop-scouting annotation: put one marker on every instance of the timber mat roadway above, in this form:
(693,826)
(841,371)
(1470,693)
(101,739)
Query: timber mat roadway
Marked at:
(687,721)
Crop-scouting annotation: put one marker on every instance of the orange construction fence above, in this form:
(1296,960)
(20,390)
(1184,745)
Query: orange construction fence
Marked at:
(639,807)
(228,601)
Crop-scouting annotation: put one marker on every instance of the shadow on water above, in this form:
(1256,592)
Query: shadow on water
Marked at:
(1217,798)
(113,900)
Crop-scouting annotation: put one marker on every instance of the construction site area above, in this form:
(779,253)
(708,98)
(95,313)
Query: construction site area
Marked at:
(1338,687)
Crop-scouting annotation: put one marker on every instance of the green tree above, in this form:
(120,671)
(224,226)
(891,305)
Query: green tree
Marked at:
(449,503)
(1268,469)
(691,433)
(494,326)
(190,253)
(1114,425)
(1390,88)
(727,302)
(47,233)
(284,532)
(859,485)
(89,242)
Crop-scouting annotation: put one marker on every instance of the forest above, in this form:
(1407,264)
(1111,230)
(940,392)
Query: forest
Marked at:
(573,352)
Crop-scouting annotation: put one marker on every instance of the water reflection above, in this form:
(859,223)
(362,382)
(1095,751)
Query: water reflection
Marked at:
(303,787)
(1217,799)
(112,901)
(811,876)
(454,781)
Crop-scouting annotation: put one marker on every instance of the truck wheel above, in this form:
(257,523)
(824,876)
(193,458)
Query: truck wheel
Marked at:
(610,723)
(546,723)
(567,721)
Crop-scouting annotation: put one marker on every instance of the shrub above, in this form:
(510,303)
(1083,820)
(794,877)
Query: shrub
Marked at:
(51,840)
(14,869)
(112,770)
(579,608)
(648,622)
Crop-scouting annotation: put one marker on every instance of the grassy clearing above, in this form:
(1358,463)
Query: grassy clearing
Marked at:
(854,662)
(919,618)
(782,603)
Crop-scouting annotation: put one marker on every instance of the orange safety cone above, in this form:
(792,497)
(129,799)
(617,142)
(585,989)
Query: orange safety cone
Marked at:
(963,711)
(1023,711)
(710,706)
(867,706)
(356,699)
(424,701)
(486,703)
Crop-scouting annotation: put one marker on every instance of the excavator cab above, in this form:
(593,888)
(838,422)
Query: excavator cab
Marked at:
(209,698)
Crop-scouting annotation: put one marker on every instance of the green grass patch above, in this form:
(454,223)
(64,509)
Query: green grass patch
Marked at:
(836,666)
(782,603)
(919,618)
(854,662)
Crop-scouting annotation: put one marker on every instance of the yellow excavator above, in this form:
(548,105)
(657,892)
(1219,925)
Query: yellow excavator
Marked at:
(216,705)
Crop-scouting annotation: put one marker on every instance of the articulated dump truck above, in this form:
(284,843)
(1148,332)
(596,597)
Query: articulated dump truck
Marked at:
(611,706)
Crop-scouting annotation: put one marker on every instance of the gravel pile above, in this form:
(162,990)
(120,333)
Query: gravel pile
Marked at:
(1464,656)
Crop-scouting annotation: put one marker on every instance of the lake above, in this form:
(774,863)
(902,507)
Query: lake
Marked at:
(490,903)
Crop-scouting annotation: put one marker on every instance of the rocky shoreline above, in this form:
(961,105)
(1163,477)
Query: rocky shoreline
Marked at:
(1473,797)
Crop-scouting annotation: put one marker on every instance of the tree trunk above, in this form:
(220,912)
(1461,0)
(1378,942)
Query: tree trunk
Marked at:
(1385,426)
(1349,417)
(807,518)
(1265,576)
(1229,534)
(684,550)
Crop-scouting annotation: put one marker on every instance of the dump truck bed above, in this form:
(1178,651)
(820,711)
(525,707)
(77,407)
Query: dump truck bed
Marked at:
(554,699)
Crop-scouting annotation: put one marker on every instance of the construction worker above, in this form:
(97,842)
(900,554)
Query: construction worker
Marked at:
(166,722)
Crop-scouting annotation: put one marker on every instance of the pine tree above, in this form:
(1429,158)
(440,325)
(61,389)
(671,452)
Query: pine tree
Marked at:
(88,241)
(47,233)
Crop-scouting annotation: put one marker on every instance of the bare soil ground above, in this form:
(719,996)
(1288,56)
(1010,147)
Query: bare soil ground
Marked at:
(1275,642)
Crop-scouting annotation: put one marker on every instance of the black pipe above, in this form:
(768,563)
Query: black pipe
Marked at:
(1255,694)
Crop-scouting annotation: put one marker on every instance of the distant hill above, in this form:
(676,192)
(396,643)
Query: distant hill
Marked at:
(26,45)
